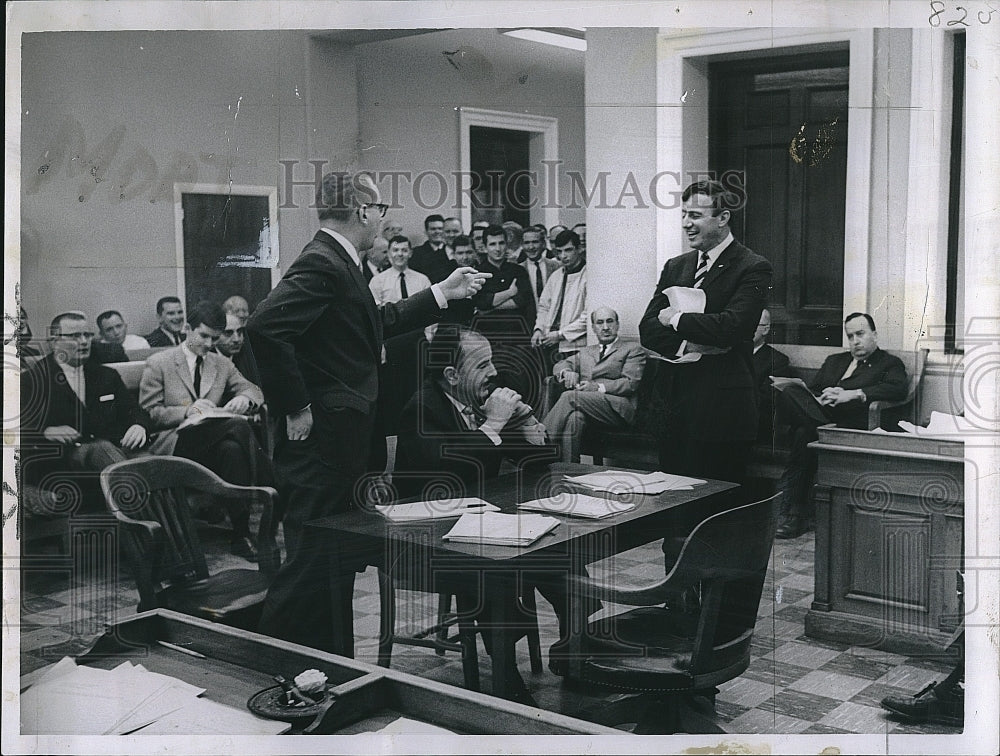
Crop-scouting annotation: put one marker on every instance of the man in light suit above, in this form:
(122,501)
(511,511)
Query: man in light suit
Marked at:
(318,342)
(601,382)
(707,381)
(189,380)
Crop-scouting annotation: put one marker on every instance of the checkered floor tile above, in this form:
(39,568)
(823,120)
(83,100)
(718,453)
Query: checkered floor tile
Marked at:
(794,684)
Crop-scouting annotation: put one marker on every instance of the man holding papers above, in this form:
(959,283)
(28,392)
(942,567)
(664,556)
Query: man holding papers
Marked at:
(844,387)
(707,377)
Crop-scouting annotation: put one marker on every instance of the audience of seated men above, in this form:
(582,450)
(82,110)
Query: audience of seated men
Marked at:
(540,268)
(113,330)
(458,429)
(561,323)
(431,257)
(600,383)
(187,386)
(170,331)
(845,385)
(76,414)
(767,361)
(505,314)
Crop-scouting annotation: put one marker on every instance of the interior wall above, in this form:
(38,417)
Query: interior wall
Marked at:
(110,120)
(410,89)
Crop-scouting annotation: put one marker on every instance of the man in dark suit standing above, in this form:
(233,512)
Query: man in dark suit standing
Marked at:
(845,385)
(318,340)
(767,361)
(431,257)
(707,380)
(76,414)
(170,332)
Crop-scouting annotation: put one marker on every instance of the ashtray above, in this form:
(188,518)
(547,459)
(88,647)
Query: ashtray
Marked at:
(271,704)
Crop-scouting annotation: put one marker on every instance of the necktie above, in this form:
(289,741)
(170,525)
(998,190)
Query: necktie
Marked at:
(539,283)
(604,351)
(473,417)
(702,270)
(402,286)
(197,376)
(557,321)
(850,370)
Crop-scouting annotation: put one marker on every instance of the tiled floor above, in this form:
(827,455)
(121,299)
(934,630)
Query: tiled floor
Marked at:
(794,684)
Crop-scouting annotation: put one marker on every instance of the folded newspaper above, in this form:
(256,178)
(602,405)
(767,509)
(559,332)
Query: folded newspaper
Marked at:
(796,390)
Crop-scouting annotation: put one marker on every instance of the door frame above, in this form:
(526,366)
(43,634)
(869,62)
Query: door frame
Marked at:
(180,189)
(535,124)
(683,67)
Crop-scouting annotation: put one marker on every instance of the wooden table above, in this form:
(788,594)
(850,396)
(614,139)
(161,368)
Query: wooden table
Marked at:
(365,538)
(889,525)
(234,664)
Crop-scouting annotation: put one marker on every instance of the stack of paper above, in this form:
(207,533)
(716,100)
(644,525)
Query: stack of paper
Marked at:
(623,482)
(72,700)
(432,510)
(500,529)
(578,505)
(941,425)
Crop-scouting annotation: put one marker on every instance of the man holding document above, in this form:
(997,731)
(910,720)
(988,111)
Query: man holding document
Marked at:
(701,322)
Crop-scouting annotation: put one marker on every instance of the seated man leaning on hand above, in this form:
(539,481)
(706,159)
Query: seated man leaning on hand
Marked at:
(601,382)
(190,382)
(845,385)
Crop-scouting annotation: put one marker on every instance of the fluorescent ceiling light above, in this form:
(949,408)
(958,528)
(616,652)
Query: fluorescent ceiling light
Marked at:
(571,38)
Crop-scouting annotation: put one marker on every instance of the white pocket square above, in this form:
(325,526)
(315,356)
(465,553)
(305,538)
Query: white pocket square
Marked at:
(106,398)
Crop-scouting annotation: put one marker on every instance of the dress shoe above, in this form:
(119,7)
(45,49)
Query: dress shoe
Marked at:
(243,546)
(932,704)
(790,528)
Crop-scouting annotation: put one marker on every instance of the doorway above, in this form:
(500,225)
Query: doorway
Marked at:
(499,162)
(782,123)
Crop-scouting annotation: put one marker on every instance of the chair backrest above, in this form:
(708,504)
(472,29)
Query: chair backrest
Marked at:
(729,554)
(152,498)
(914,362)
(130,372)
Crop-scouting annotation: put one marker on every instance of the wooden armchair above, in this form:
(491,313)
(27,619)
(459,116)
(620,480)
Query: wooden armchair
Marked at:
(914,362)
(669,656)
(149,497)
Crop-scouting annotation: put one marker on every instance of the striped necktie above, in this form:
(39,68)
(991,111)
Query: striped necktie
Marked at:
(699,275)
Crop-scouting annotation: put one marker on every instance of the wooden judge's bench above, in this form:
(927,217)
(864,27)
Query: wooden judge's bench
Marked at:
(889,530)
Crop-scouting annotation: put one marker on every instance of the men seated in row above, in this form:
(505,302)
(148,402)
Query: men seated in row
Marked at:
(601,383)
(457,430)
(561,324)
(76,414)
(183,390)
(170,331)
(845,385)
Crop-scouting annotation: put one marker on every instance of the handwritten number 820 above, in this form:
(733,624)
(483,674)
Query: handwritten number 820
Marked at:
(938,8)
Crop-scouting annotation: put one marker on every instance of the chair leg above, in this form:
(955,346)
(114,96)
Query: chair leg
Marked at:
(467,638)
(444,607)
(534,643)
(387,617)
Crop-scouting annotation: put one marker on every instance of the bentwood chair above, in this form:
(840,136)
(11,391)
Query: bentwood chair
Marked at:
(670,660)
(151,499)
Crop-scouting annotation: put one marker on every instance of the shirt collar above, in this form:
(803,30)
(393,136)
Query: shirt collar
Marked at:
(339,237)
(714,252)
(469,417)
(73,371)
(608,347)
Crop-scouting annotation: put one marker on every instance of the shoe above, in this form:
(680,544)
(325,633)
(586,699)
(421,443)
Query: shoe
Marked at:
(789,529)
(932,704)
(243,546)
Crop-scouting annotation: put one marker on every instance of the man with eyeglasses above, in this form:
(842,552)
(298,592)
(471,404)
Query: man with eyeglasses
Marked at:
(76,414)
(318,340)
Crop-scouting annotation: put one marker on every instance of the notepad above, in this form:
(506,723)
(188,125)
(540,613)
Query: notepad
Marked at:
(434,510)
(624,482)
(574,504)
(500,529)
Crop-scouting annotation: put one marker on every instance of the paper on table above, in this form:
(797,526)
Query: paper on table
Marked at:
(407,725)
(941,425)
(500,529)
(204,717)
(621,481)
(578,505)
(437,509)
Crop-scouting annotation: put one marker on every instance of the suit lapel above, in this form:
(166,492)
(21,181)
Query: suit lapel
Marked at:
(359,280)
(180,365)
(720,266)
(208,372)
(60,384)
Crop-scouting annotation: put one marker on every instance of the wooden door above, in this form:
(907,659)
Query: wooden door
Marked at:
(782,123)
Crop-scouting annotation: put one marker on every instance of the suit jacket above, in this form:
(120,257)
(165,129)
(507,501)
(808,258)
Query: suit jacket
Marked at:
(317,337)
(166,390)
(620,371)
(435,264)
(767,361)
(714,399)
(47,400)
(437,448)
(548,268)
(880,376)
(160,339)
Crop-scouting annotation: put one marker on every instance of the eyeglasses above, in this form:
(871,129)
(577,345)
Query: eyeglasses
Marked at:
(78,336)
(381,207)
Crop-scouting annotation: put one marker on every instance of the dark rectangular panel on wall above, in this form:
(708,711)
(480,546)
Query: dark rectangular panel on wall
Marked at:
(227,247)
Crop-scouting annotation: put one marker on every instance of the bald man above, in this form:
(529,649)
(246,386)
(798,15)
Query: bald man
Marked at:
(600,383)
